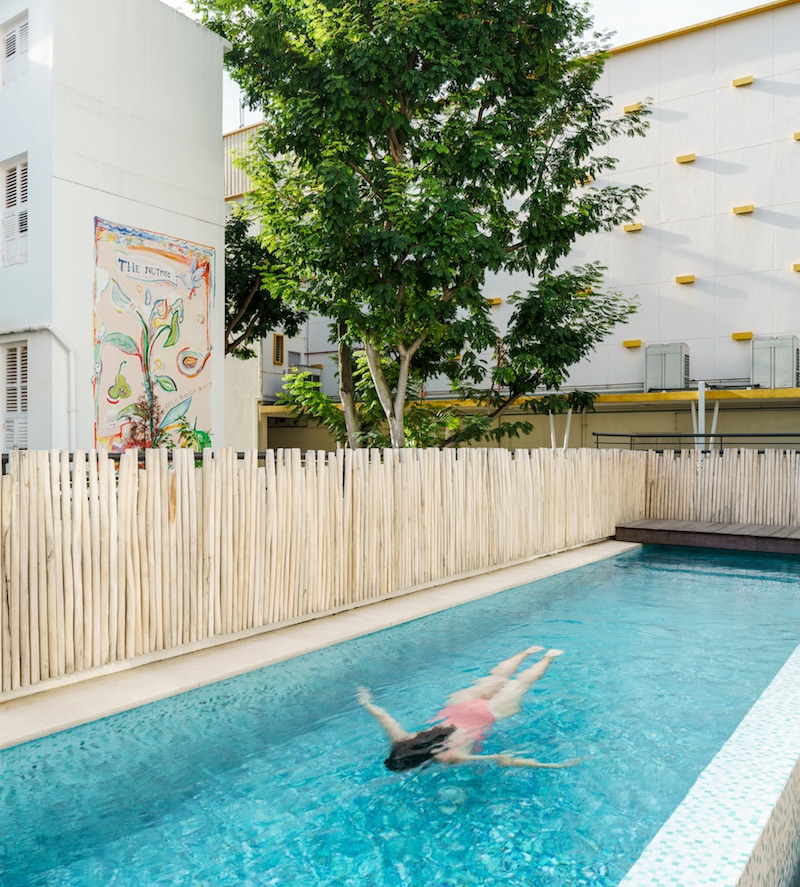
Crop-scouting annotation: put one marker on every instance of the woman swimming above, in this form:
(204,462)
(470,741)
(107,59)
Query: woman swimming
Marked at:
(465,721)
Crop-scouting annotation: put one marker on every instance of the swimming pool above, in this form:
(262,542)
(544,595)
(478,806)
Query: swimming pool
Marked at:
(276,777)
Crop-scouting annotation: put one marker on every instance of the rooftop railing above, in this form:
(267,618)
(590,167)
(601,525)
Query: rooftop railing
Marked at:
(707,443)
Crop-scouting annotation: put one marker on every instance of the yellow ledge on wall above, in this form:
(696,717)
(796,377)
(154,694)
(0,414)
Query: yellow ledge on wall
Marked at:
(686,158)
(632,343)
(494,301)
(587,292)
(632,109)
(743,210)
(741,337)
(635,226)
(796,136)
(796,266)
(743,81)
(684,278)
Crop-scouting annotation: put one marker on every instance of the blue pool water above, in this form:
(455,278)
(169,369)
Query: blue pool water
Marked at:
(276,777)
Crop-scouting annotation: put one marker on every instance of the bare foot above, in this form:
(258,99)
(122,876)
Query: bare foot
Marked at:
(551,654)
(531,650)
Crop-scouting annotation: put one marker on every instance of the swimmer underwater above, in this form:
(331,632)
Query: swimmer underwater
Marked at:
(467,718)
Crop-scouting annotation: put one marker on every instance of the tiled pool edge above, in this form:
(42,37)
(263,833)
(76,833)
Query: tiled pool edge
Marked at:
(740,822)
(135,683)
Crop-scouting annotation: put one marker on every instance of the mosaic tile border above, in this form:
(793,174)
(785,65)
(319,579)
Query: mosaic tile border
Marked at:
(740,822)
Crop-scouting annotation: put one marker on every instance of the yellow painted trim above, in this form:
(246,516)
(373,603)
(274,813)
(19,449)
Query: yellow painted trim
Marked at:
(702,26)
(587,292)
(632,343)
(632,109)
(743,81)
(654,397)
(278,350)
(636,226)
(796,266)
(686,158)
(684,278)
(743,210)
(796,136)
(741,337)
(496,300)
(711,394)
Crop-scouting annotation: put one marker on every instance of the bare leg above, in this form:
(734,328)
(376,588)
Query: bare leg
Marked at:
(390,726)
(486,687)
(506,701)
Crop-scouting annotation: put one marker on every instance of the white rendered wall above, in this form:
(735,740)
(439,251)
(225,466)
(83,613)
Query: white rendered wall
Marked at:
(242,397)
(26,130)
(746,154)
(136,123)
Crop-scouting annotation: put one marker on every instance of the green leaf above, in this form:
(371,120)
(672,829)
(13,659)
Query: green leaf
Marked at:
(166,383)
(121,341)
(174,329)
(133,409)
(173,416)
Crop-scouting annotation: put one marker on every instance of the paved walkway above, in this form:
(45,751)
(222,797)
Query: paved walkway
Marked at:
(71,701)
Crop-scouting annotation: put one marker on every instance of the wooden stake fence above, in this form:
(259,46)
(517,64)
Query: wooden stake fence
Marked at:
(100,563)
(743,486)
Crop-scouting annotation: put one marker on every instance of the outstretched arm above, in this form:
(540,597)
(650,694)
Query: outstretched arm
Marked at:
(504,759)
(390,726)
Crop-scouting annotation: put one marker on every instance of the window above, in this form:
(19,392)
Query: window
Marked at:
(15,213)
(15,51)
(277,349)
(15,424)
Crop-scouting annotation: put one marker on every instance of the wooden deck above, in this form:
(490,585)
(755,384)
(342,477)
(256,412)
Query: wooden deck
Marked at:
(698,534)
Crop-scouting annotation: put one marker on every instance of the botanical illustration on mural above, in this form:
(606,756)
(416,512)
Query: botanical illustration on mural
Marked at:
(152,379)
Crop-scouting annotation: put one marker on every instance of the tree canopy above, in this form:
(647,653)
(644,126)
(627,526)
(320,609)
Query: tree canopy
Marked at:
(252,309)
(413,149)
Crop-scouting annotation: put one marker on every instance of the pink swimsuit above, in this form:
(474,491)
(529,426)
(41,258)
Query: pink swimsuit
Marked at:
(472,716)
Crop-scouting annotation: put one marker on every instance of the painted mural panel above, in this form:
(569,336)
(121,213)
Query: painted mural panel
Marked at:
(153,300)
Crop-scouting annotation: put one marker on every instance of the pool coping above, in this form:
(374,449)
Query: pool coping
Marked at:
(74,700)
(739,824)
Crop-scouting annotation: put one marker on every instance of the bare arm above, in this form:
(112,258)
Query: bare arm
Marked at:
(504,759)
(390,726)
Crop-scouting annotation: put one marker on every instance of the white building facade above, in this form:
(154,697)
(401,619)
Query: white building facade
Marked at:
(713,257)
(108,111)
(714,253)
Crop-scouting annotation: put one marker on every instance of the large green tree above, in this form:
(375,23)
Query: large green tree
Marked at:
(412,149)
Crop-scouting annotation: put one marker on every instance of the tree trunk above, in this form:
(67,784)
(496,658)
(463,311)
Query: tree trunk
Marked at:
(351,420)
(393,407)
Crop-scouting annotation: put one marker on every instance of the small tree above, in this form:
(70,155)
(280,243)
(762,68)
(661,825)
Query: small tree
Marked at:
(412,150)
(252,309)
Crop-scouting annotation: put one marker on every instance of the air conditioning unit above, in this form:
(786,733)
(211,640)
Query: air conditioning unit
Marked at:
(666,367)
(776,362)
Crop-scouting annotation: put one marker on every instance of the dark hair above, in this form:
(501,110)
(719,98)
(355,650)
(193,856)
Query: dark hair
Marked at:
(421,747)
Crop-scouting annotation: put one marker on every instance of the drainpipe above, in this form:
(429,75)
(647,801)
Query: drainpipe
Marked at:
(701,415)
(71,398)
